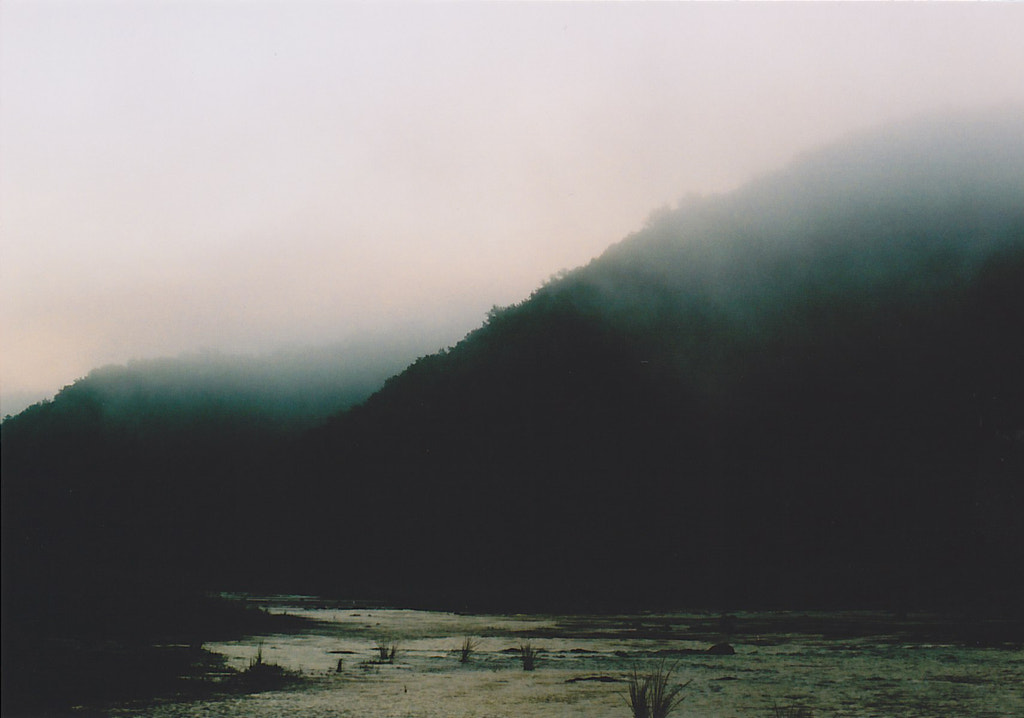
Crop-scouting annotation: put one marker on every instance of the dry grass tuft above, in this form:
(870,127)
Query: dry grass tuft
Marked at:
(528,655)
(387,650)
(469,645)
(652,694)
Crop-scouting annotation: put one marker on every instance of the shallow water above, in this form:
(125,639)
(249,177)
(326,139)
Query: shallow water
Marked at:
(878,675)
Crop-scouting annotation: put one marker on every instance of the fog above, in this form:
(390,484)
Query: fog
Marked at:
(252,177)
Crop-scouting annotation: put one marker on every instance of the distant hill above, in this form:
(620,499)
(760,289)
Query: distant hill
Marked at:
(138,458)
(809,391)
(191,411)
(284,391)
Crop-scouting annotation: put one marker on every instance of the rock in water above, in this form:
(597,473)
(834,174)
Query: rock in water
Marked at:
(721,649)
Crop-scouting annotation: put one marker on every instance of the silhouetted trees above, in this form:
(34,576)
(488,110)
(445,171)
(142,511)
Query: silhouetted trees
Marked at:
(809,391)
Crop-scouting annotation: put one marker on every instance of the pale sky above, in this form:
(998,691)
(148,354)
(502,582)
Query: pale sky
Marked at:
(241,176)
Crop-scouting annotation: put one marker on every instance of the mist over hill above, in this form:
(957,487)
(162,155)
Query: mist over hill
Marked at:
(806,392)
(288,390)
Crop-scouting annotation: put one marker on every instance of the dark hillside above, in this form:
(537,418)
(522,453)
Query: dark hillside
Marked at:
(123,498)
(788,394)
(809,391)
(121,486)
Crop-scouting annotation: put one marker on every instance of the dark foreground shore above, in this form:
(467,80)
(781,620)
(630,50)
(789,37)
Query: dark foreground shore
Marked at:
(129,652)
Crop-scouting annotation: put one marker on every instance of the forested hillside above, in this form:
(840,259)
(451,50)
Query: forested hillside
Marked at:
(809,391)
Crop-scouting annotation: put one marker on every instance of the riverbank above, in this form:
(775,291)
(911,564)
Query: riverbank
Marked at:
(852,664)
(53,666)
(326,654)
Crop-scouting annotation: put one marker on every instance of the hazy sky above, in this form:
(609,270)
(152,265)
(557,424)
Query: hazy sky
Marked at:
(243,176)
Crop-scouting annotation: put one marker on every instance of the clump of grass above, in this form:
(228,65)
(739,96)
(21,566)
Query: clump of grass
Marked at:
(387,650)
(652,694)
(528,655)
(263,676)
(469,645)
(256,661)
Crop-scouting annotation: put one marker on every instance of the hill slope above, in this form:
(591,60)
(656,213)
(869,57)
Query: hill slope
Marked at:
(806,391)
(810,390)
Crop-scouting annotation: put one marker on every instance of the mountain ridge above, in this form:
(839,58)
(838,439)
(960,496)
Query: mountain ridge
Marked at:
(806,392)
(865,339)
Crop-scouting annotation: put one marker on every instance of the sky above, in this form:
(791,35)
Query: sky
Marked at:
(248,176)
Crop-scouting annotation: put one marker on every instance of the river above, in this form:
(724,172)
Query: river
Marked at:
(825,664)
